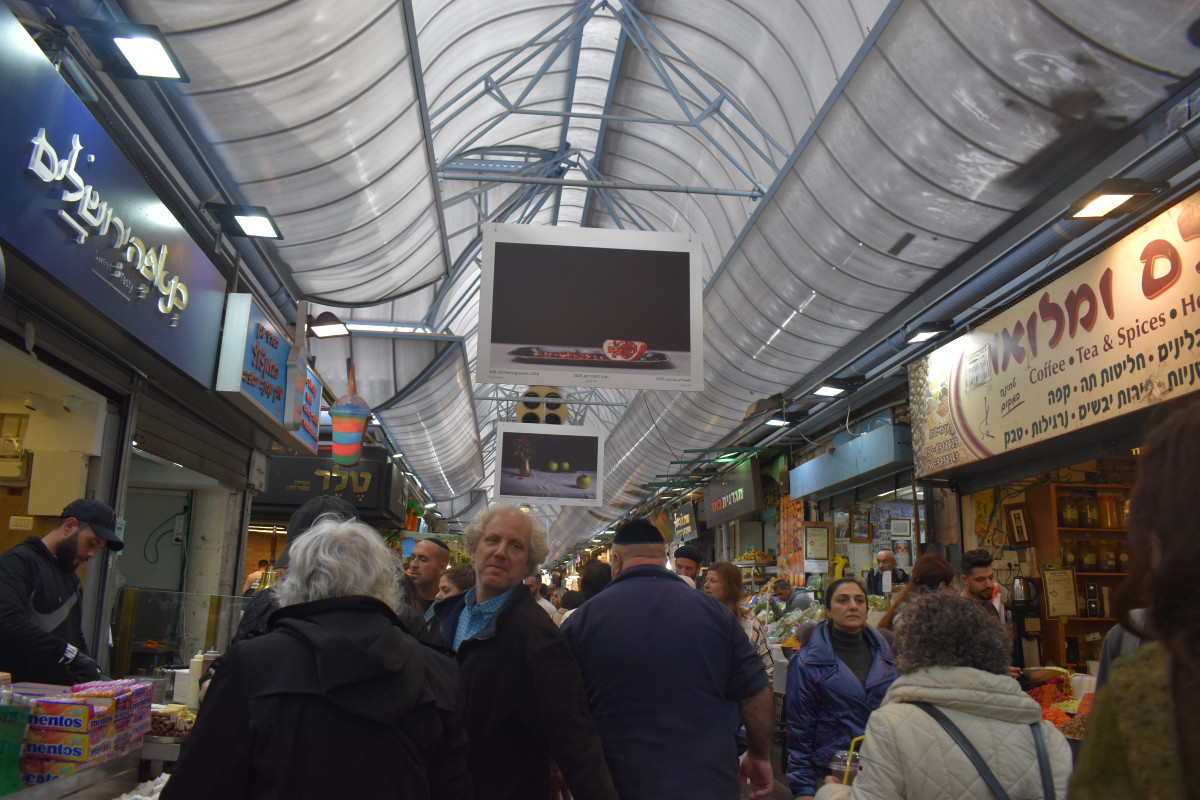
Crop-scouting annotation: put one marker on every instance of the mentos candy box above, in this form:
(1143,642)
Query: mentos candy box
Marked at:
(66,746)
(77,714)
(43,770)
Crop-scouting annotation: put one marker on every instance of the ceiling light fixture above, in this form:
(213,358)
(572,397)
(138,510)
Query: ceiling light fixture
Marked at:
(778,421)
(250,221)
(326,325)
(431,505)
(831,388)
(1114,198)
(926,331)
(129,50)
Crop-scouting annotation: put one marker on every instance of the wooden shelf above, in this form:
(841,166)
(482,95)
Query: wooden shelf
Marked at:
(1048,538)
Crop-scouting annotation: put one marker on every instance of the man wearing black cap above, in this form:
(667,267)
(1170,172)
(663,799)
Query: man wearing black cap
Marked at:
(41,619)
(663,663)
(687,563)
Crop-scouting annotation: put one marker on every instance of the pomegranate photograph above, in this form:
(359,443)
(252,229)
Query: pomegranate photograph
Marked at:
(555,303)
(624,349)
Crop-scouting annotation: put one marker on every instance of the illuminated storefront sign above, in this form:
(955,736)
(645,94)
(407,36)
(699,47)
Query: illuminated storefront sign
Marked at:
(1116,334)
(75,207)
(253,372)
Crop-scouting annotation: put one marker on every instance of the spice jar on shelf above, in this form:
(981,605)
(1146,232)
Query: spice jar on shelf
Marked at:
(1089,559)
(1107,504)
(1070,557)
(1068,511)
(1089,511)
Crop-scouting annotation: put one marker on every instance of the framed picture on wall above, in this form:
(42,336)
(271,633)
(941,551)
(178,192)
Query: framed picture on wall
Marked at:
(1016,517)
(860,526)
(901,527)
(816,540)
(841,526)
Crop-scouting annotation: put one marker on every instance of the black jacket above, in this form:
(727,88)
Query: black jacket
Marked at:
(40,613)
(525,705)
(336,700)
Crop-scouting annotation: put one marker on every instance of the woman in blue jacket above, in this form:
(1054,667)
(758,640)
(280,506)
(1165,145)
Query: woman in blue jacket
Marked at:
(834,683)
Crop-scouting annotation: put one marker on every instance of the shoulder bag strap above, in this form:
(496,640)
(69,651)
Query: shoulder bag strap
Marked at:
(961,740)
(1043,757)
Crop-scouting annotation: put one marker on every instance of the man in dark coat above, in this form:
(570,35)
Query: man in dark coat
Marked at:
(41,630)
(663,663)
(526,708)
(336,699)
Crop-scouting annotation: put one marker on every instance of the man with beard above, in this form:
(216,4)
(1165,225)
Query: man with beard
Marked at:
(41,629)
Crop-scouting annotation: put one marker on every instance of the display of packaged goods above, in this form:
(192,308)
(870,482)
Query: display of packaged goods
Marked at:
(27,689)
(79,714)
(42,770)
(67,746)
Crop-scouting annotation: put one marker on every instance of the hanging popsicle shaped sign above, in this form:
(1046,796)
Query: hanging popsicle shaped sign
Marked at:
(349,415)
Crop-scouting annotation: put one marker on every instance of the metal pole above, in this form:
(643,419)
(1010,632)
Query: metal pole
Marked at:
(487,177)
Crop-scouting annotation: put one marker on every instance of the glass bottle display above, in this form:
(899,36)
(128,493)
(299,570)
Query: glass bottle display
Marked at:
(1107,502)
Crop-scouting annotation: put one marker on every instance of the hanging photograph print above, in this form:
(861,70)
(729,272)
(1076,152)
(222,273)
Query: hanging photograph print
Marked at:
(550,464)
(590,307)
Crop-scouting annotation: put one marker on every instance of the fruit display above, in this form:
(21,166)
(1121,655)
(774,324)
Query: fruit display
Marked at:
(753,555)
(584,481)
(623,349)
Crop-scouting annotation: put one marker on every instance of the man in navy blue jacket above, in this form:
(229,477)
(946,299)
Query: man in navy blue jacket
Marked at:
(664,663)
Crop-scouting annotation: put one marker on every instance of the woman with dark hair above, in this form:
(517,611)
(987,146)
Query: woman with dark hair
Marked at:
(594,575)
(835,681)
(954,658)
(929,574)
(571,600)
(1143,734)
(724,583)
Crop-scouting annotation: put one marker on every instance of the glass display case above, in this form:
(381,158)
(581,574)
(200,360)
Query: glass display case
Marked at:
(155,629)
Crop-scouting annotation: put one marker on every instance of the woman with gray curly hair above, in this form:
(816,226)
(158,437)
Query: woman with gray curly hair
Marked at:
(336,674)
(953,656)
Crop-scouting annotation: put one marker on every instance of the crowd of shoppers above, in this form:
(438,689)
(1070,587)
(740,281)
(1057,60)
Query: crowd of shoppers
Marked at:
(495,701)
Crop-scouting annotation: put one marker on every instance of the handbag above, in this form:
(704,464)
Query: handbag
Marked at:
(985,772)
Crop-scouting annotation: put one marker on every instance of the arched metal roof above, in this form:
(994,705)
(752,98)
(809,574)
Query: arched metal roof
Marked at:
(834,158)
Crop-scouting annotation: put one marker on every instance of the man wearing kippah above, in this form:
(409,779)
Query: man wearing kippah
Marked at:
(664,663)
(41,598)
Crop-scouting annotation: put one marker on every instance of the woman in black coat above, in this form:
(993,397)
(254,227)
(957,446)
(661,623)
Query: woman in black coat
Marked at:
(336,699)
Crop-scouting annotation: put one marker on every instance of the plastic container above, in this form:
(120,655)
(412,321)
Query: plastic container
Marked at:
(844,766)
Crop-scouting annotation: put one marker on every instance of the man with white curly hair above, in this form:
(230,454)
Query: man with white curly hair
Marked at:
(526,706)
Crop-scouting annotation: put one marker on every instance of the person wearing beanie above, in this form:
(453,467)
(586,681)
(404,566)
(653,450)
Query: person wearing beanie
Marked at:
(687,563)
(659,658)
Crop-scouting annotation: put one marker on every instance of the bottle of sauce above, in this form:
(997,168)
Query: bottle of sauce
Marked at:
(1068,511)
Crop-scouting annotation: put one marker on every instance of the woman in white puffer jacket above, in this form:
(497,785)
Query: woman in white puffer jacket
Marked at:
(953,655)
